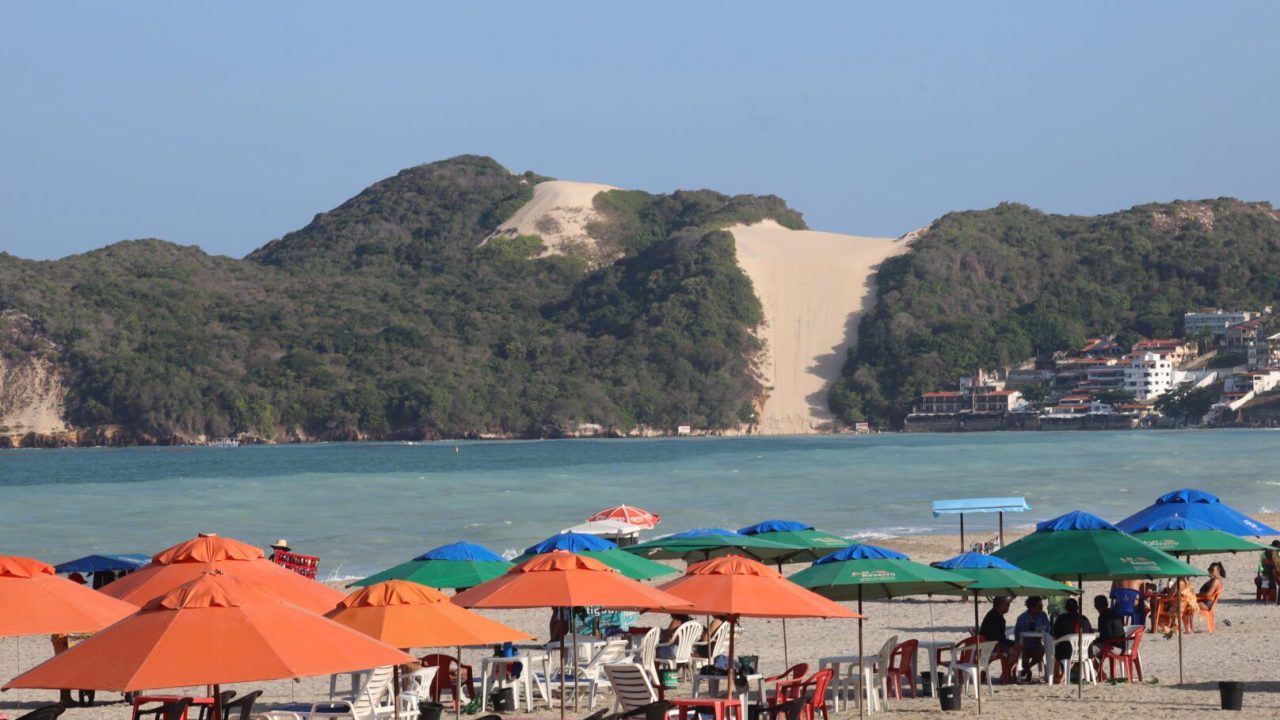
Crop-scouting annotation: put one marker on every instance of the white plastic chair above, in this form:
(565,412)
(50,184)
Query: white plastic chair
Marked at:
(590,674)
(1077,657)
(872,688)
(717,645)
(648,653)
(682,647)
(375,700)
(631,687)
(418,683)
(971,672)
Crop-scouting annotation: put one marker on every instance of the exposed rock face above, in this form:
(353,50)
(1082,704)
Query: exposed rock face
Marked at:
(32,392)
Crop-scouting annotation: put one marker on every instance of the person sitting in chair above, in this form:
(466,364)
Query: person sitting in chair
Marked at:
(993,629)
(1034,620)
(1069,623)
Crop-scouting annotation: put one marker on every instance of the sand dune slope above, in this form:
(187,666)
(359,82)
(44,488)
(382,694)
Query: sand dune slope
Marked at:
(814,287)
(558,213)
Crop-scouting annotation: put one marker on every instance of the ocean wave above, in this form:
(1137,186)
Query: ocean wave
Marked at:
(510,554)
(888,532)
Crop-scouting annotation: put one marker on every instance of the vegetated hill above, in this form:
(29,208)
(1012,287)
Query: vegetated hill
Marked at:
(993,287)
(386,317)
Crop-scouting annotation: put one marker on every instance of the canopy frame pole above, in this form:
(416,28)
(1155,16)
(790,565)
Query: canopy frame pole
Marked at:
(1001,530)
(786,659)
(977,656)
(962,547)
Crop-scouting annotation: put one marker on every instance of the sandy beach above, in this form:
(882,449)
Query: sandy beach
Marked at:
(814,287)
(1242,648)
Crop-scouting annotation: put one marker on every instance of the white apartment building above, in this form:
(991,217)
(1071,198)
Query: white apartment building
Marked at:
(1148,375)
(1213,323)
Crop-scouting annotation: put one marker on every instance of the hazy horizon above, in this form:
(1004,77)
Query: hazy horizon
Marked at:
(228,126)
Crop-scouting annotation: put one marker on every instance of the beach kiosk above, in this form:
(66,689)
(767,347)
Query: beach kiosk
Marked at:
(999,505)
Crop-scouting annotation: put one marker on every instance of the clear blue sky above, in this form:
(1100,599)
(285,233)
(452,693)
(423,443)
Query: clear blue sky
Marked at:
(229,124)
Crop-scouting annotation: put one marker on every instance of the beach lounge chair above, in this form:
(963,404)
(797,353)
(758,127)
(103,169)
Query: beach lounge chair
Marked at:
(1126,653)
(632,690)
(680,647)
(376,700)
(44,712)
(446,679)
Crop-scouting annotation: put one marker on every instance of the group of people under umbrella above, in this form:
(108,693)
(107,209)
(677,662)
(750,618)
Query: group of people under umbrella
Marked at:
(213,611)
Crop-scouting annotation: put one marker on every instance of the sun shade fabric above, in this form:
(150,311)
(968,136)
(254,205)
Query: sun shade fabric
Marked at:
(1196,505)
(215,629)
(979,505)
(992,577)
(772,526)
(573,542)
(738,586)
(1185,536)
(461,551)
(861,552)
(35,601)
(408,615)
(193,558)
(104,563)
(706,543)
(870,573)
(1082,546)
(564,579)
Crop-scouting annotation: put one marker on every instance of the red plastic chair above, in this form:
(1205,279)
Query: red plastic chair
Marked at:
(795,673)
(446,677)
(813,690)
(902,665)
(1126,653)
(964,649)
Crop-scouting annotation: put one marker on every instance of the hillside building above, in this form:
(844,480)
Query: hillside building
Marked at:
(1213,323)
(1149,375)
(1263,352)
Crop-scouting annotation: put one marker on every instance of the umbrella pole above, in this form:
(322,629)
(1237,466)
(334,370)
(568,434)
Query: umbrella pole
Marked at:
(1178,619)
(733,669)
(977,658)
(1080,649)
(217,704)
(395,689)
(786,661)
(862,677)
(562,697)
(573,630)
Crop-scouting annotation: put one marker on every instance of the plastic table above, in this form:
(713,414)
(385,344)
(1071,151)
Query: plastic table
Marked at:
(720,706)
(491,667)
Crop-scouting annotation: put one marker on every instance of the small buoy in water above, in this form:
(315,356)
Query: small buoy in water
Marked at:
(455,449)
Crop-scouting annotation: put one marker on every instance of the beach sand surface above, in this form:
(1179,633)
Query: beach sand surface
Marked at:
(814,287)
(1244,647)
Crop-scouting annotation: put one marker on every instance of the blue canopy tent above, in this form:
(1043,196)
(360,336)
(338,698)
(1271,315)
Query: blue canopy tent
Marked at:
(113,562)
(573,542)
(1195,505)
(999,505)
(461,551)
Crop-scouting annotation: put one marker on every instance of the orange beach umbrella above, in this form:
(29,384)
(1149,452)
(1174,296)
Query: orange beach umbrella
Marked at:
(198,556)
(213,630)
(562,579)
(409,615)
(739,587)
(35,601)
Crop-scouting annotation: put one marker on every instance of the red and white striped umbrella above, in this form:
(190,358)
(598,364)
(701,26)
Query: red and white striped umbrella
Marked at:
(631,515)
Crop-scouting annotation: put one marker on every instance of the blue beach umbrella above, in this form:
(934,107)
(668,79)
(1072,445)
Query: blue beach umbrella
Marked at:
(1196,505)
(452,566)
(594,546)
(572,542)
(111,562)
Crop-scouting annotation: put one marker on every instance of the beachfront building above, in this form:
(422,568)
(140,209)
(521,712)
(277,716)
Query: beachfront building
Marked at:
(1178,351)
(1105,374)
(1237,338)
(942,403)
(996,401)
(1264,352)
(1213,323)
(1265,380)
(1149,375)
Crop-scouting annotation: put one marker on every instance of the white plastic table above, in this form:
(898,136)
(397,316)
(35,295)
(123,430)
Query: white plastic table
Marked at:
(1046,642)
(840,681)
(491,666)
(932,647)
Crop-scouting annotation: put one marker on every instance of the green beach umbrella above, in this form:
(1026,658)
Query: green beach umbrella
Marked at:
(869,572)
(706,543)
(814,543)
(1187,536)
(994,577)
(1079,546)
(593,546)
(452,566)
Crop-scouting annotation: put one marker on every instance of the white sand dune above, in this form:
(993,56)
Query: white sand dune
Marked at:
(814,287)
(558,213)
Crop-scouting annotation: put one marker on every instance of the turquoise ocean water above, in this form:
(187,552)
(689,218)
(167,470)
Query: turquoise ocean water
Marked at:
(362,507)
